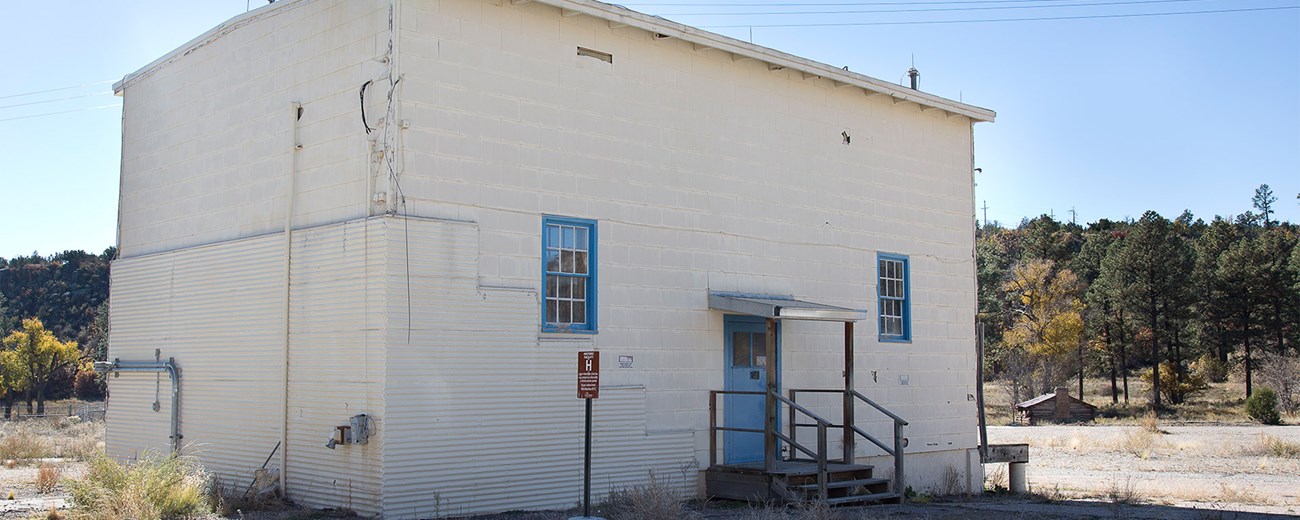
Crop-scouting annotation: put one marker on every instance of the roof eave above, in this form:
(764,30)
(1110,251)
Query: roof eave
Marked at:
(627,17)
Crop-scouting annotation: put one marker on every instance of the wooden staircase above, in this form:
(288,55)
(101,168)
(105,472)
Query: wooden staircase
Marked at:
(817,478)
(797,481)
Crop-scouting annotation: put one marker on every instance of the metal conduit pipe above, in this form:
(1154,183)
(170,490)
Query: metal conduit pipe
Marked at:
(173,373)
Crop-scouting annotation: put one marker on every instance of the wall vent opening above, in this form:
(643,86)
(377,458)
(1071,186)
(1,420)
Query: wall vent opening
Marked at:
(592,53)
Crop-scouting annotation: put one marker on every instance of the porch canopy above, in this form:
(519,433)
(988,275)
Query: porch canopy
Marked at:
(772,308)
(778,307)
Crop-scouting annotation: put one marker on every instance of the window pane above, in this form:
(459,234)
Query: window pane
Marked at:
(740,349)
(552,285)
(579,289)
(566,316)
(551,310)
(552,236)
(580,258)
(552,260)
(579,312)
(568,237)
(760,349)
(566,285)
(582,239)
(566,262)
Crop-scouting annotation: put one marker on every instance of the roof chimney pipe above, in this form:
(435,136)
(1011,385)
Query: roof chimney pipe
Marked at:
(914,74)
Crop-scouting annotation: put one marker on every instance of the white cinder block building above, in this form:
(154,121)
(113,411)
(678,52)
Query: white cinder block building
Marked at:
(420,210)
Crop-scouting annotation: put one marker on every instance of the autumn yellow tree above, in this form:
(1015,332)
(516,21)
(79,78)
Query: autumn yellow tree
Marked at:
(1047,322)
(35,355)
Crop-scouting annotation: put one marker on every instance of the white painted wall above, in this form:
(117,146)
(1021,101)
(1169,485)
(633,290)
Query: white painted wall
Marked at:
(704,172)
(206,133)
(218,310)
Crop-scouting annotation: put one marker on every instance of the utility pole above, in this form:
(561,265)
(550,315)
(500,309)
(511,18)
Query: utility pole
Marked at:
(986,212)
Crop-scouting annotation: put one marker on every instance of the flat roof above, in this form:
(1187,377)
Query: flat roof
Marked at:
(619,16)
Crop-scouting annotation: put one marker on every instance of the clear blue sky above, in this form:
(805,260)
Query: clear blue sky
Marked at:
(1109,116)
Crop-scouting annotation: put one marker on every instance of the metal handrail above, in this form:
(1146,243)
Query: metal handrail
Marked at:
(822,424)
(882,409)
(899,442)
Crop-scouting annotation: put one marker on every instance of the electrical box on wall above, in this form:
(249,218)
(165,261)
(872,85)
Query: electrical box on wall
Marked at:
(356,431)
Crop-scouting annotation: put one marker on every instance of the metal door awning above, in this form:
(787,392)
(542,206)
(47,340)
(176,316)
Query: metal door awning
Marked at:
(780,307)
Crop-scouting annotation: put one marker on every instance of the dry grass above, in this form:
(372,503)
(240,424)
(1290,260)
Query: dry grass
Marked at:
(1270,446)
(1139,442)
(1241,495)
(655,499)
(1151,422)
(67,437)
(47,478)
(22,444)
(950,483)
(996,481)
(1124,494)
(156,486)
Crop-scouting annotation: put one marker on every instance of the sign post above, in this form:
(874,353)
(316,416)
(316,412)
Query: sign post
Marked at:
(588,389)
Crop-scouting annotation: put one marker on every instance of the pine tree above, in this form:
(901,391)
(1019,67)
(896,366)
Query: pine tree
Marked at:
(1154,270)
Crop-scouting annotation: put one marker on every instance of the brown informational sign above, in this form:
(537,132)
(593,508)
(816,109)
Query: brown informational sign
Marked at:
(588,375)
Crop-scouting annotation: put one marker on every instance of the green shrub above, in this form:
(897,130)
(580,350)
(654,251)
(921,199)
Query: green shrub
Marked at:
(1262,406)
(154,487)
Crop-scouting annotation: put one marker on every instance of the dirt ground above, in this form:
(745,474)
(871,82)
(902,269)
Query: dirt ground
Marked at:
(1220,466)
(1075,472)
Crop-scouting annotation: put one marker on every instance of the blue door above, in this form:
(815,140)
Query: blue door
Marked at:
(746,370)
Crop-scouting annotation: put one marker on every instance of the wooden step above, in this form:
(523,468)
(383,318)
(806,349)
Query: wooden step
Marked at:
(832,484)
(857,499)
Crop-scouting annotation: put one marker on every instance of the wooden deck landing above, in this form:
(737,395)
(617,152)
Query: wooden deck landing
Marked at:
(795,481)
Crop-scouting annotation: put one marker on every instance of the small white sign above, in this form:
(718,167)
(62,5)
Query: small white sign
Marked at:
(625,362)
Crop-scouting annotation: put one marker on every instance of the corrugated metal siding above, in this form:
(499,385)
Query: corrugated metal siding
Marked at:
(216,310)
(336,363)
(482,413)
(219,311)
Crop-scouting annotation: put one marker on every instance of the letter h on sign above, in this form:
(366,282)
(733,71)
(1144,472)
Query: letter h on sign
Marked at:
(588,375)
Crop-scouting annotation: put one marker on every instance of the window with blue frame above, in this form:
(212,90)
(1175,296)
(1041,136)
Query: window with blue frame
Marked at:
(893,294)
(568,274)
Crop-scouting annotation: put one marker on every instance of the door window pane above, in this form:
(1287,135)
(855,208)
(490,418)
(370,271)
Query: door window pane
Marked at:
(740,350)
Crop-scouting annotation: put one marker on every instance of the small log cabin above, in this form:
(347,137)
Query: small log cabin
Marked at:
(1055,407)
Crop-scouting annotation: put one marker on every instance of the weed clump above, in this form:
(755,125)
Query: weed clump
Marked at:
(1138,442)
(1275,447)
(654,499)
(47,478)
(22,445)
(155,486)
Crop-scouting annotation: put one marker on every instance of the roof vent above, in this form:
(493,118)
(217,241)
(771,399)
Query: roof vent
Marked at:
(914,75)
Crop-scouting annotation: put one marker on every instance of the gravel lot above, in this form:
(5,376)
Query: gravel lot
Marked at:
(1076,472)
(1196,465)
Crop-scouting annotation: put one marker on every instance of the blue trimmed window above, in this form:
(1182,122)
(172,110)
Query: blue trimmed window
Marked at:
(568,274)
(894,294)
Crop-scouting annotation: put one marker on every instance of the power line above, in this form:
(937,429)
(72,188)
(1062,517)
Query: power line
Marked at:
(845,4)
(54,100)
(995,20)
(83,85)
(116,105)
(939,9)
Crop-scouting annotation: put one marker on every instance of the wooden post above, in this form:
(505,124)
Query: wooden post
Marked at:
(848,393)
(769,423)
(713,429)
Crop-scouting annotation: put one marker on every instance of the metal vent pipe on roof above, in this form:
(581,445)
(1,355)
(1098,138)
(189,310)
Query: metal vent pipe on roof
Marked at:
(914,75)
